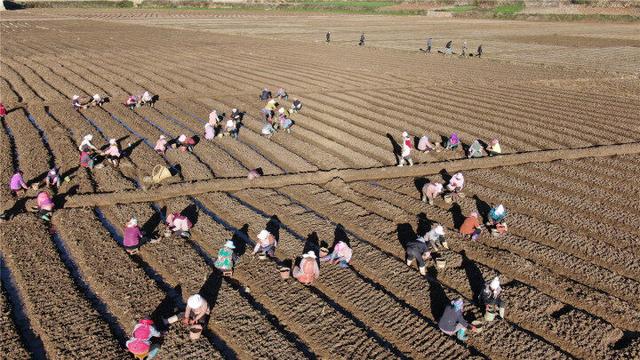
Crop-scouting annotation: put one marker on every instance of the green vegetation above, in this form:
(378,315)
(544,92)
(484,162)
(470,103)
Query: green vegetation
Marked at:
(460,9)
(348,4)
(509,9)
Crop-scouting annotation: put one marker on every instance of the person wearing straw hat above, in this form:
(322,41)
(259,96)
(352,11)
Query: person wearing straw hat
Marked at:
(266,244)
(436,239)
(405,151)
(226,257)
(139,344)
(430,191)
(161,145)
(453,322)
(308,271)
(471,226)
(112,153)
(490,296)
(417,250)
(132,236)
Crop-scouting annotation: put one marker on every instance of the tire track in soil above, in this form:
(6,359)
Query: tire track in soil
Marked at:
(369,299)
(63,91)
(351,336)
(570,292)
(535,316)
(8,71)
(129,293)
(312,154)
(234,317)
(48,294)
(389,266)
(16,333)
(11,95)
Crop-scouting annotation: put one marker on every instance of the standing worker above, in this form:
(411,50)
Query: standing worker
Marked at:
(328,37)
(361,43)
(405,154)
(3,111)
(480,50)
(429,43)
(453,322)
(464,48)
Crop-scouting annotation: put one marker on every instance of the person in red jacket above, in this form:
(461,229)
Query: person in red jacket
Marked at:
(471,226)
(3,111)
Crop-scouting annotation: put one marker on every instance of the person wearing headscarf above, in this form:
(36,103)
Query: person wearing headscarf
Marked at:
(17,184)
(282,94)
(231,128)
(132,102)
(456,183)
(417,250)
(184,143)
(475,150)
(140,343)
(75,102)
(209,131)
(214,118)
(52,180)
(179,224)
(147,99)
(267,130)
(285,122)
(266,243)
(471,226)
(308,271)
(97,100)
(341,255)
(491,296)
(226,257)
(161,145)
(497,214)
(45,205)
(453,142)
(424,144)
(405,150)
(430,191)
(296,106)
(435,236)
(112,153)
(453,322)
(86,145)
(132,236)
(494,148)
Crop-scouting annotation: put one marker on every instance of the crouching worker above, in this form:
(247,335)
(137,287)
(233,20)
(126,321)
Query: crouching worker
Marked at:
(268,130)
(132,237)
(496,220)
(265,94)
(147,99)
(132,102)
(45,205)
(425,145)
(491,299)
(475,150)
(452,321)
(97,100)
(430,191)
(308,270)
(285,121)
(296,106)
(17,184)
(436,238)
(470,228)
(179,225)
(266,244)
(282,94)
(52,181)
(417,250)
(161,145)
(226,258)
(87,160)
(184,143)
(494,148)
(340,255)
(195,316)
(453,142)
(139,344)
(231,128)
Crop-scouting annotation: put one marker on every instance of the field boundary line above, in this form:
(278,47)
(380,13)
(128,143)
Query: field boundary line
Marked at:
(347,175)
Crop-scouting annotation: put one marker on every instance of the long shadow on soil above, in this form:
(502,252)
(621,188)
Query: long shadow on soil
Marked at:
(191,212)
(483,208)
(439,299)
(405,234)
(420,182)
(241,239)
(474,275)
(456,215)
(312,244)
(395,147)
(424,224)
(340,234)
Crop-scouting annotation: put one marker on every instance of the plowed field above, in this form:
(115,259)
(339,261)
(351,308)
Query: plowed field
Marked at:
(565,108)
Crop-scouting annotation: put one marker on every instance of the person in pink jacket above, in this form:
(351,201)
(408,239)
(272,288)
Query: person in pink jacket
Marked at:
(140,343)
(430,191)
(340,255)
(17,184)
(308,271)
(45,205)
(179,224)
(132,236)
(161,145)
(112,154)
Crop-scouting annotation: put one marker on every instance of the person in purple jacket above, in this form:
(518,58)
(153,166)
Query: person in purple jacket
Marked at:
(17,184)
(132,236)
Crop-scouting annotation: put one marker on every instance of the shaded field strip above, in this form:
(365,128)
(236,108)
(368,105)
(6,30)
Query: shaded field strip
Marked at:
(348,175)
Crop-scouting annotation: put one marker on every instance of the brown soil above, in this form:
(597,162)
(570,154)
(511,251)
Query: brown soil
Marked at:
(568,126)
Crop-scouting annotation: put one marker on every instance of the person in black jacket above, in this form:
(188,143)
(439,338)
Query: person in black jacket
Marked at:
(491,297)
(418,250)
(361,43)
(453,322)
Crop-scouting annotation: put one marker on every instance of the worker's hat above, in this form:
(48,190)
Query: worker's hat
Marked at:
(495,283)
(439,230)
(309,254)
(263,235)
(229,244)
(194,301)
